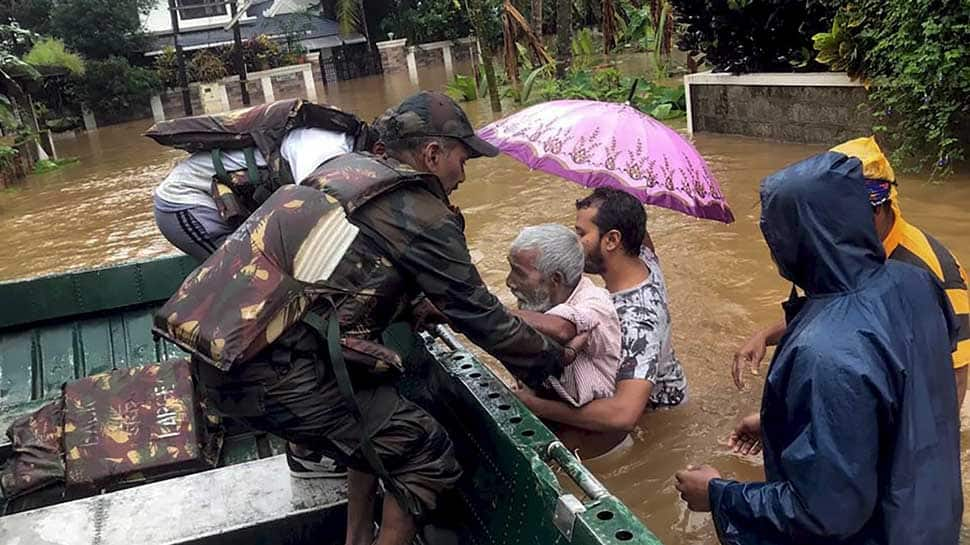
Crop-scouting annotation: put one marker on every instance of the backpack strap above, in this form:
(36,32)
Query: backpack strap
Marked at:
(251,167)
(329,332)
(221,174)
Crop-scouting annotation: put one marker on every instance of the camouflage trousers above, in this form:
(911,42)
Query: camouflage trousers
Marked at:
(295,396)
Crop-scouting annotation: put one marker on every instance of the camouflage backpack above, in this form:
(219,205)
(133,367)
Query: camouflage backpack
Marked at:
(238,193)
(266,276)
(111,430)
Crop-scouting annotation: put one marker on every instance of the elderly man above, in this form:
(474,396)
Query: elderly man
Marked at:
(546,278)
(611,225)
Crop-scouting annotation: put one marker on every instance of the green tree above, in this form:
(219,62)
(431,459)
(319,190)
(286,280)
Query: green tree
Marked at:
(113,85)
(32,14)
(51,53)
(915,59)
(98,29)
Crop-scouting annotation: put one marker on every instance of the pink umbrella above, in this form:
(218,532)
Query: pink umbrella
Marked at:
(604,144)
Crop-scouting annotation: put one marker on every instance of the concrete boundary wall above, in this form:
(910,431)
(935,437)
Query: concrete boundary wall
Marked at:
(813,108)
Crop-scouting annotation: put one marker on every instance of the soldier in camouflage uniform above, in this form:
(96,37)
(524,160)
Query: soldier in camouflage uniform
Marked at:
(410,242)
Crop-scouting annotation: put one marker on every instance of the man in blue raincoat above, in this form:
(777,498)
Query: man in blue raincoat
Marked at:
(860,443)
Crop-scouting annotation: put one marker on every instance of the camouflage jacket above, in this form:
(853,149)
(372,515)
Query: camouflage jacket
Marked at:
(250,295)
(412,241)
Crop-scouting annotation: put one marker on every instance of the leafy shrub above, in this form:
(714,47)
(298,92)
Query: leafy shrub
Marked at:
(49,165)
(741,36)
(7,156)
(583,48)
(207,67)
(423,21)
(915,56)
(113,85)
(166,68)
(840,48)
(462,88)
(608,85)
(259,53)
(51,53)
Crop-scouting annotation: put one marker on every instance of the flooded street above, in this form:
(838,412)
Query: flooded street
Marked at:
(722,282)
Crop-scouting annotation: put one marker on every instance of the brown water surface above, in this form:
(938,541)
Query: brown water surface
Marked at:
(722,282)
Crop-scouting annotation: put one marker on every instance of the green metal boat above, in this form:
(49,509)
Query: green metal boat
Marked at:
(521,486)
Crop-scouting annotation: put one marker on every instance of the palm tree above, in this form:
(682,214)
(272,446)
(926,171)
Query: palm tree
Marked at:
(564,35)
(477,18)
(537,17)
(348,15)
(608,24)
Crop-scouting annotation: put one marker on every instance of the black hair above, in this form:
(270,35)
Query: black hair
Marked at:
(619,211)
(397,148)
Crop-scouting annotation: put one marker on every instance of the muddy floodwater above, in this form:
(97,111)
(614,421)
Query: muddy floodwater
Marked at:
(722,282)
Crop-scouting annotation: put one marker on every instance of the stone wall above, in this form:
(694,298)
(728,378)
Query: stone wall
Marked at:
(394,56)
(813,114)
(431,57)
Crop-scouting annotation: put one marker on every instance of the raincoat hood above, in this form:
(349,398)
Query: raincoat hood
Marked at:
(817,221)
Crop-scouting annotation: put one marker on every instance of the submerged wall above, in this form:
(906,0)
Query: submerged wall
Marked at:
(814,108)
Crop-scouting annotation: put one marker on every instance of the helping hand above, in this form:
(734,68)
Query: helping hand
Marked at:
(751,353)
(425,313)
(526,396)
(692,484)
(746,437)
(575,346)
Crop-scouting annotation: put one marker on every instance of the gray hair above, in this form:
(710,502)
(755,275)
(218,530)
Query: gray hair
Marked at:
(559,250)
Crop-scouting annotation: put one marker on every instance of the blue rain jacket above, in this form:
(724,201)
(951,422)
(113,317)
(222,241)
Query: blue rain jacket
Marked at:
(858,418)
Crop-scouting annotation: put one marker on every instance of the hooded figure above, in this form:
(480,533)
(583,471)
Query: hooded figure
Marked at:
(861,445)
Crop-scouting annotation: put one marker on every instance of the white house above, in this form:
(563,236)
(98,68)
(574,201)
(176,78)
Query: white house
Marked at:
(202,24)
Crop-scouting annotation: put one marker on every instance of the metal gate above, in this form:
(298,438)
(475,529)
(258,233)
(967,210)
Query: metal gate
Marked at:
(349,62)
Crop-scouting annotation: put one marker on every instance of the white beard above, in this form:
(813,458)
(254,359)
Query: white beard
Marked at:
(537,302)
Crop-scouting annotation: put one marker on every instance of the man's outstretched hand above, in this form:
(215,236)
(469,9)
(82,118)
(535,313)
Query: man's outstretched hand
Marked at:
(692,484)
(746,437)
(426,314)
(749,355)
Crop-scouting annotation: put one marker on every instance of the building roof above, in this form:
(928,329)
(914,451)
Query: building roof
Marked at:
(316,32)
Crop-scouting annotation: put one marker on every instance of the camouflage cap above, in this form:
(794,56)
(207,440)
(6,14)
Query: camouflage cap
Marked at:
(432,114)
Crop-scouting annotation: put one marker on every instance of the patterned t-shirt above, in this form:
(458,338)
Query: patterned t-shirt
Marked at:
(647,350)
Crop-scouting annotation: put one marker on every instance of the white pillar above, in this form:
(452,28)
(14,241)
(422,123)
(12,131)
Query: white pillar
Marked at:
(311,87)
(267,83)
(449,62)
(478,49)
(90,124)
(412,66)
(690,111)
(158,110)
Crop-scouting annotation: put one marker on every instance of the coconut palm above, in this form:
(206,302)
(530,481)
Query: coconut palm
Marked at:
(564,35)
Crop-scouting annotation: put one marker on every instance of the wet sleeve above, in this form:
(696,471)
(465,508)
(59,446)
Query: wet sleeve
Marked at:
(830,465)
(437,258)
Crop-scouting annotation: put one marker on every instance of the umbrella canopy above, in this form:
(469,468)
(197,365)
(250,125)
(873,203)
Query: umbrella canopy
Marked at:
(603,144)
